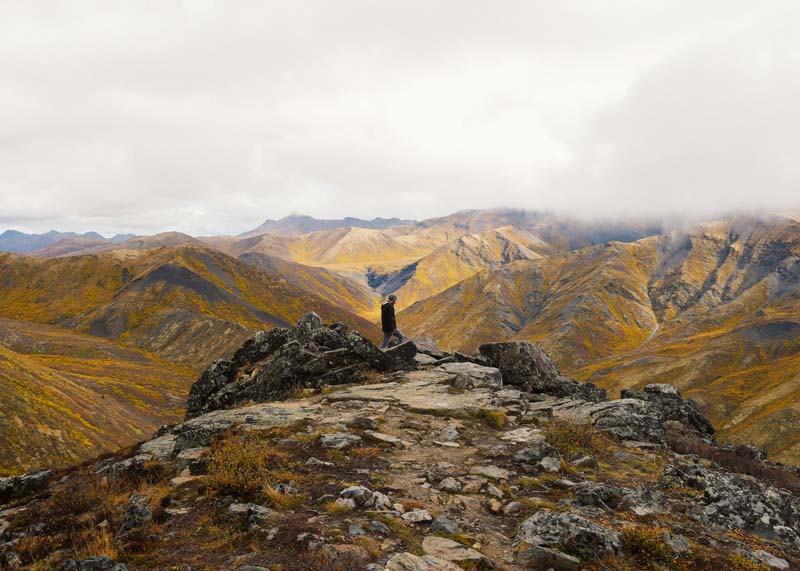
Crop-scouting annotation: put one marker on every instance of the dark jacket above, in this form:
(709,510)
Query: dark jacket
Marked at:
(388,321)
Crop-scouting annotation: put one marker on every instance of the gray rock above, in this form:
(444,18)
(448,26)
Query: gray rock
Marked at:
(315,462)
(737,501)
(550,464)
(527,366)
(444,524)
(449,434)
(450,485)
(401,356)
(24,485)
(363,422)
(427,346)
(512,508)
(98,563)
(770,560)
(423,359)
(572,533)
(273,364)
(672,406)
(380,527)
(535,452)
(356,529)
(417,516)
(359,494)
(338,440)
(449,550)
(469,375)
(598,494)
(676,543)
(138,514)
(539,557)
(585,462)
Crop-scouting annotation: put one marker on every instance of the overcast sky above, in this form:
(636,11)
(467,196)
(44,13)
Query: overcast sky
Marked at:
(208,117)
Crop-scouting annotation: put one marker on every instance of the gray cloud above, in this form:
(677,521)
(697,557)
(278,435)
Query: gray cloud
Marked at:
(207,117)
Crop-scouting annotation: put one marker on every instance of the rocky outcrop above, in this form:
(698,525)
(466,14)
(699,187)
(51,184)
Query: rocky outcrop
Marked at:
(565,532)
(526,366)
(737,501)
(672,406)
(273,364)
(25,485)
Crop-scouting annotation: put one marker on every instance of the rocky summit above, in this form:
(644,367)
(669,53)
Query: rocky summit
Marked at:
(312,449)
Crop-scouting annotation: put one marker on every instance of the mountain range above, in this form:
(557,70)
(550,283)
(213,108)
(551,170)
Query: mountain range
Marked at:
(710,307)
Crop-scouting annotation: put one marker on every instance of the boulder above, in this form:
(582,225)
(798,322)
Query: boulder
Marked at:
(599,494)
(526,365)
(672,406)
(427,346)
(24,485)
(401,356)
(539,557)
(569,533)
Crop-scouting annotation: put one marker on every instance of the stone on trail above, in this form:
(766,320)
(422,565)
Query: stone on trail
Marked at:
(409,562)
(469,375)
(338,440)
(449,550)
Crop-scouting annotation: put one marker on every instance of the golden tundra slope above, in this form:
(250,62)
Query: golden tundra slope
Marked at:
(68,397)
(189,304)
(418,260)
(713,310)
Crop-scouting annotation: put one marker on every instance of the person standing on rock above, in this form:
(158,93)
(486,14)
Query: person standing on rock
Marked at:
(389,322)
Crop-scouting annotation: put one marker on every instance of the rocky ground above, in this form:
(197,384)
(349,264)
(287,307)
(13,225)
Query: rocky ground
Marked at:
(311,449)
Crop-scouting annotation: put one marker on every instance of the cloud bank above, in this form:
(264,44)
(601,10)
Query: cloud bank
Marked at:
(208,117)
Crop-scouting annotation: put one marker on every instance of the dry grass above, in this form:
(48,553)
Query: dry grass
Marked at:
(242,465)
(336,509)
(495,418)
(646,546)
(572,439)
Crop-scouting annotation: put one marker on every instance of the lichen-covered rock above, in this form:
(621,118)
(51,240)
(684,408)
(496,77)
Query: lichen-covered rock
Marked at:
(24,485)
(271,365)
(527,366)
(215,378)
(138,514)
(599,494)
(401,356)
(672,406)
(737,501)
(628,419)
(570,533)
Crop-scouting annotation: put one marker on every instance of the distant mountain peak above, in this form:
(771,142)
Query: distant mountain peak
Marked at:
(296,224)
